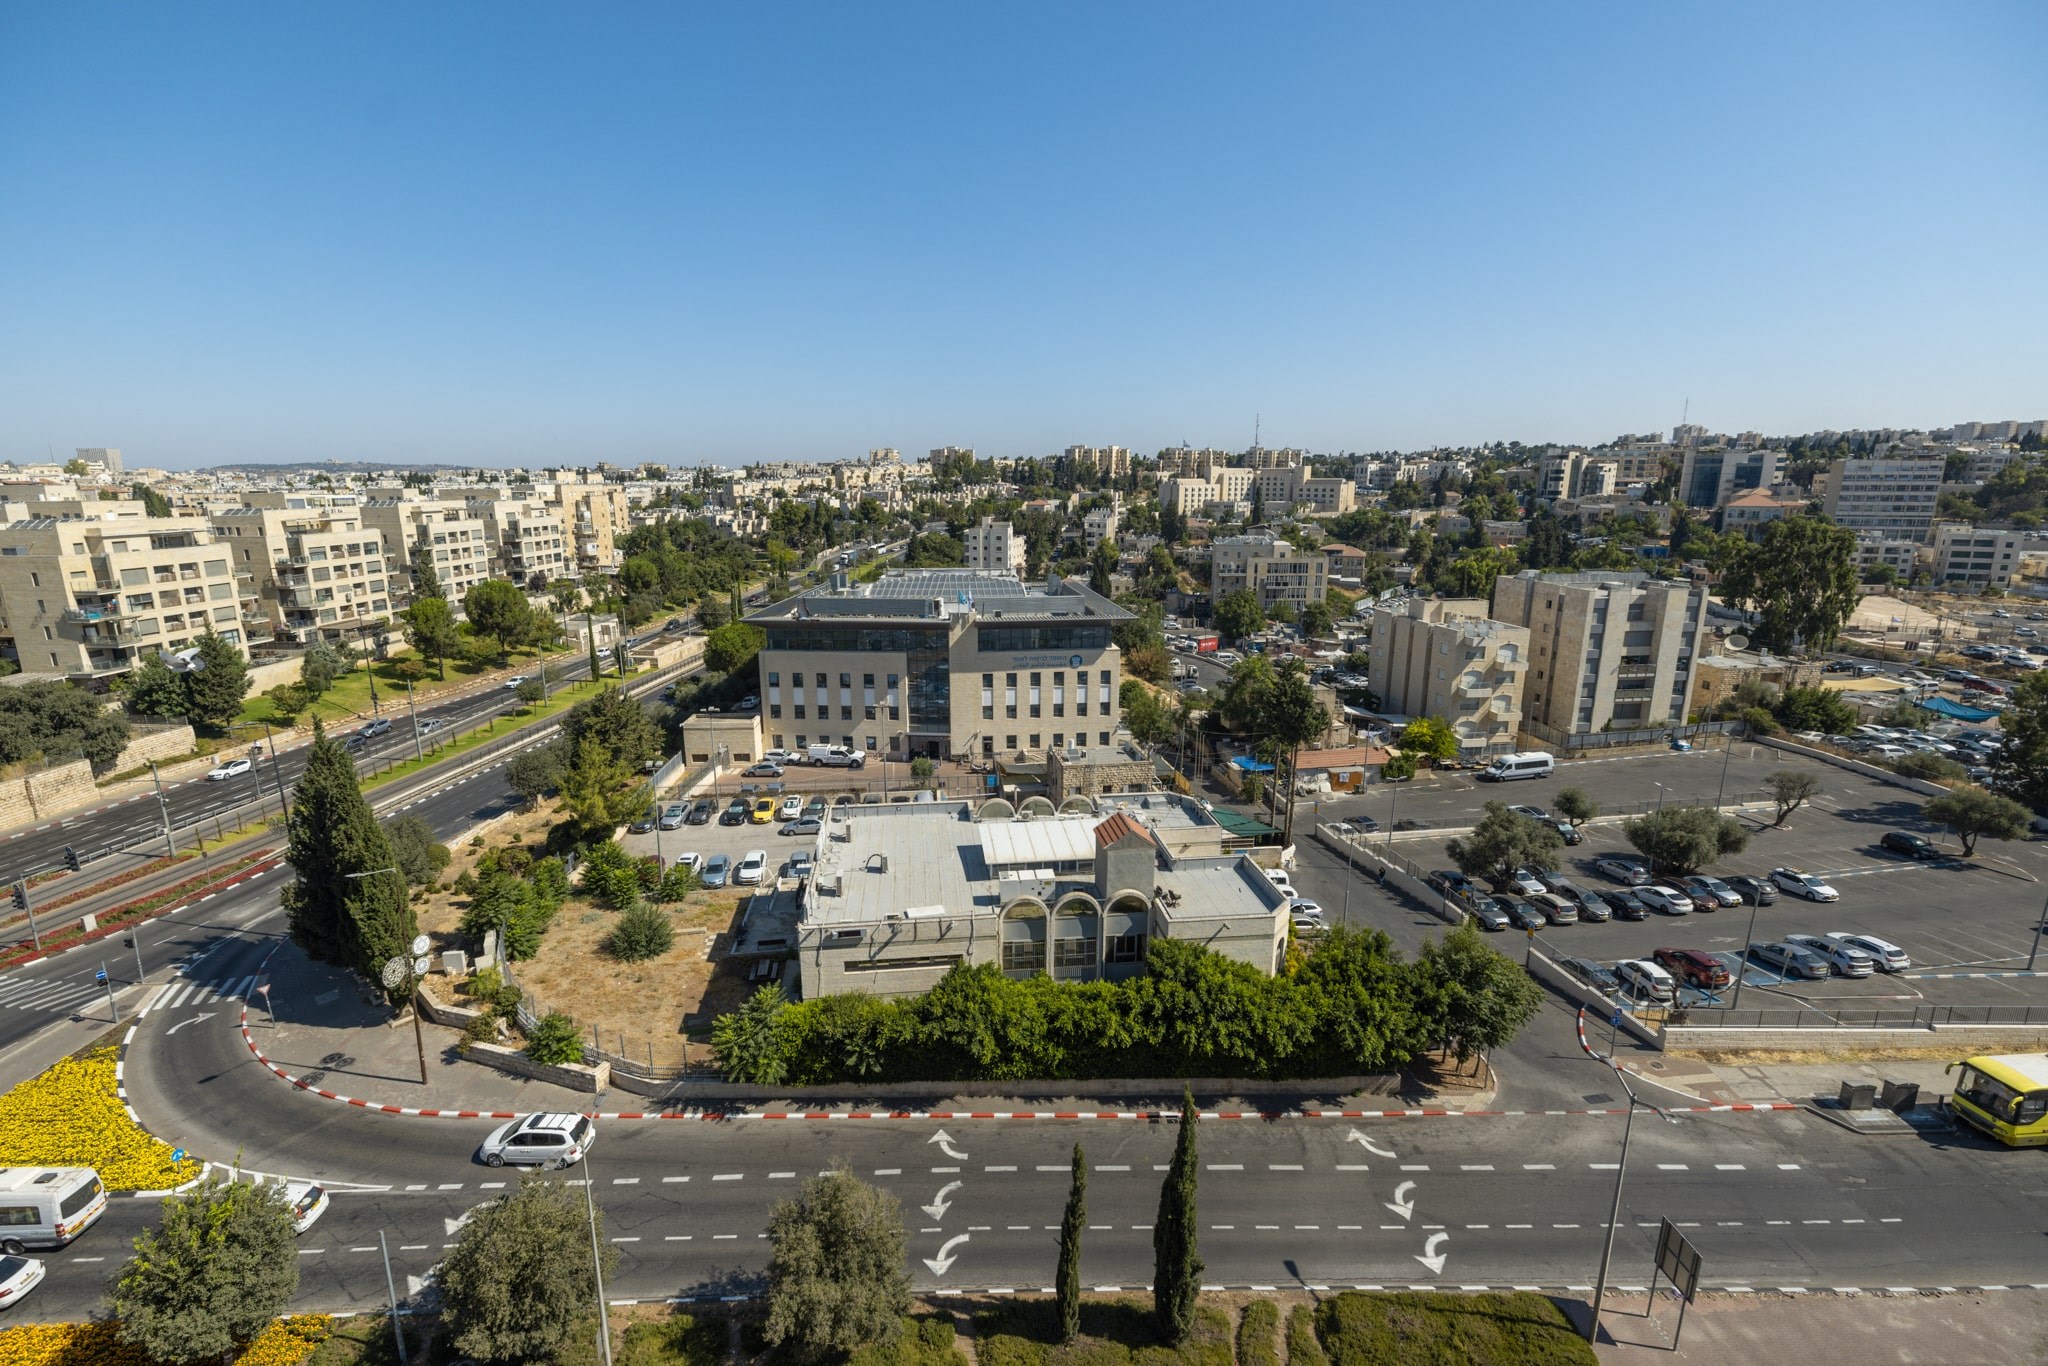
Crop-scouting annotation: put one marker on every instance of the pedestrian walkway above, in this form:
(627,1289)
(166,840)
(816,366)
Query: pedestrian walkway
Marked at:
(1968,1329)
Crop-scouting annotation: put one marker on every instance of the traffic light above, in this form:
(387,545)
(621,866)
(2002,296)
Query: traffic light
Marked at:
(70,858)
(21,897)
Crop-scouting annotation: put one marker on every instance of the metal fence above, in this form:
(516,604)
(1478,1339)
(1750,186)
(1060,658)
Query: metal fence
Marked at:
(1897,1017)
(1571,743)
(635,1057)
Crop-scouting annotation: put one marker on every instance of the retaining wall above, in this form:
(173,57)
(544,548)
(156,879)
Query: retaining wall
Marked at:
(1964,1039)
(41,794)
(574,1076)
(1843,761)
(1145,1093)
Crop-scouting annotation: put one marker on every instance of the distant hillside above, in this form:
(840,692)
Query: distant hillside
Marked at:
(332,467)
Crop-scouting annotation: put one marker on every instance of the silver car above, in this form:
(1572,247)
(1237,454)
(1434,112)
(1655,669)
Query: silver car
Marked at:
(1627,872)
(1842,960)
(543,1140)
(1885,956)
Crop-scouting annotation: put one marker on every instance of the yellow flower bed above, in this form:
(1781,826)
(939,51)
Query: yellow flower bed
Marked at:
(70,1116)
(286,1342)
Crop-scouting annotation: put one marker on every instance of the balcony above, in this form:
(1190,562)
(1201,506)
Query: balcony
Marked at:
(74,615)
(1636,668)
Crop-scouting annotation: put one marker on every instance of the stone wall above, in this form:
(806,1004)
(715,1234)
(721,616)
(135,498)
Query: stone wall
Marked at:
(573,1076)
(264,677)
(670,651)
(161,743)
(39,795)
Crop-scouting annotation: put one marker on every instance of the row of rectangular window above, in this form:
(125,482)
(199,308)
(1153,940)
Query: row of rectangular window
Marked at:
(1028,955)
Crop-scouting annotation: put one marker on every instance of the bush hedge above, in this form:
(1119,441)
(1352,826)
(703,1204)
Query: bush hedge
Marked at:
(1303,1348)
(1468,1330)
(1255,1334)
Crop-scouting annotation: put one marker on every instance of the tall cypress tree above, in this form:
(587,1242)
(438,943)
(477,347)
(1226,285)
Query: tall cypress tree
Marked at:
(1071,1224)
(359,923)
(1176,1268)
(425,582)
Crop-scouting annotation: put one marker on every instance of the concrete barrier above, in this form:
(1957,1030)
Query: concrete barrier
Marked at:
(1843,761)
(1965,1039)
(1144,1093)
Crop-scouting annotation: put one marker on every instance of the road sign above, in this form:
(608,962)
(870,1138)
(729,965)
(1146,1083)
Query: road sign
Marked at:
(1678,1260)
(100,977)
(177,1154)
(1616,1020)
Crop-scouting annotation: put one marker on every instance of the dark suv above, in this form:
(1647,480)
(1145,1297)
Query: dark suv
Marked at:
(702,810)
(735,812)
(1912,846)
(1694,968)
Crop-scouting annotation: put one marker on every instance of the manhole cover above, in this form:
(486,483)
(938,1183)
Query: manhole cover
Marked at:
(1598,1098)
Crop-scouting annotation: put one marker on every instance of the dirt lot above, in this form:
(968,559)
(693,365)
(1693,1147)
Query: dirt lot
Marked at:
(639,1009)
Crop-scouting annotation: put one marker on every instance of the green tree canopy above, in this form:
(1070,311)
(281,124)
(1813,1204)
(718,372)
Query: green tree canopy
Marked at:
(519,1279)
(1975,814)
(1477,999)
(1574,805)
(836,1277)
(1799,577)
(355,922)
(421,857)
(500,611)
(153,690)
(732,647)
(1502,841)
(1820,709)
(59,720)
(2019,769)
(1430,737)
(1176,1263)
(426,581)
(619,725)
(1238,614)
(320,666)
(220,1264)
(214,689)
(1684,839)
(431,627)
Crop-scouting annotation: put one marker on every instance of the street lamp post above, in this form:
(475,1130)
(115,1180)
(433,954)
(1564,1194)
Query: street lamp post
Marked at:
(1614,1212)
(170,848)
(2039,925)
(604,1326)
(369,665)
(276,769)
(404,968)
(1756,901)
(1727,749)
(419,750)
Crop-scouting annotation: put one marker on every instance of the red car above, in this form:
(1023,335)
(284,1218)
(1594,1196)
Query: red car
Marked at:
(1694,967)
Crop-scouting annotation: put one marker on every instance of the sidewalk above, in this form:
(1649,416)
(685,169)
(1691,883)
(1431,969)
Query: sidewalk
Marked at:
(1967,1329)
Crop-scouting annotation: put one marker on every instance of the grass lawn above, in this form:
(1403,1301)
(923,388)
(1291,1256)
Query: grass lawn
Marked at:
(1027,1333)
(350,695)
(1450,1329)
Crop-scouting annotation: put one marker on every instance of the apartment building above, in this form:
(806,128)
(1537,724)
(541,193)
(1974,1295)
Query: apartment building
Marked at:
(1895,497)
(994,545)
(1444,657)
(1285,486)
(1271,568)
(1896,553)
(528,539)
(316,573)
(1748,512)
(90,599)
(452,533)
(1606,650)
(1711,475)
(1981,555)
(1114,461)
(594,514)
(1574,474)
(941,662)
(1097,526)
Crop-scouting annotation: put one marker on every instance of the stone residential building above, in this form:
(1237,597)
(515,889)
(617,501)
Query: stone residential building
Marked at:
(451,531)
(1444,657)
(994,545)
(1271,568)
(317,573)
(529,540)
(1746,513)
(1981,555)
(594,513)
(1606,650)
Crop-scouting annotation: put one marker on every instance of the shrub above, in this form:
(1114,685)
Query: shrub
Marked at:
(682,1340)
(482,1029)
(643,932)
(1255,1333)
(1302,1347)
(1483,1329)
(555,1041)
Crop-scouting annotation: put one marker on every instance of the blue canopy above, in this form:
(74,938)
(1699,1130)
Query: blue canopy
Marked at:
(1941,706)
(1245,763)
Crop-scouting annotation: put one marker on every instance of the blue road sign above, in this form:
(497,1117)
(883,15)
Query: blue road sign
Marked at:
(1616,1021)
(177,1154)
(100,976)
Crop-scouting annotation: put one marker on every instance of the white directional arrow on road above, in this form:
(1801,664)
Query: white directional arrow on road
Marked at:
(194,1020)
(1362,1141)
(1401,1204)
(1430,1257)
(943,1263)
(414,1285)
(945,1142)
(448,1226)
(940,1204)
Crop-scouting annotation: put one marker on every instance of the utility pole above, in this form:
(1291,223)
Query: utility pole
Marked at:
(170,849)
(604,1323)
(1727,750)
(2039,925)
(391,1290)
(369,666)
(419,750)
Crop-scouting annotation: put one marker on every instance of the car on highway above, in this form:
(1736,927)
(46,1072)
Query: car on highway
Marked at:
(763,769)
(18,1276)
(716,870)
(371,729)
(1625,904)
(1555,909)
(514,681)
(763,811)
(1490,914)
(1790,960)
(1694,967)
(803,825)
(673,818)
(1884,955)
(551,1139)
(1644,980)
(1842,960)
(307,1201)
(1593,973)
(428,727)
(702,810)
(789,809)
(1803,884)
(1665,900)
(1709,892)
(233,768)
(1521,914)
(1911,845)
(1754,891)
(735,812)
(1627,871)
(752,868)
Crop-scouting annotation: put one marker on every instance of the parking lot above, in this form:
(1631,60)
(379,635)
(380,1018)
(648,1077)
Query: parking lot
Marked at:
(1968,926)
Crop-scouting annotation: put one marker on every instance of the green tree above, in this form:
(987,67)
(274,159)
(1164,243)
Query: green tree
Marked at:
(1799,577)
(57,720)
(1176,1265)
(535,772)
(1317,620)
(420,856)
(518,910)
(1933,768)
(1102,563)
(531,691)
(835,1268)
(1149,720)
(732,647)
(643,932)
(1974,814)
(2019,769)
(748,1042)
(426,581)
(154,504)
(1574,805)
(497,610)
(217,684)
(1790,790)
(617,723)
(1067,1282)
(1684,839)
(431,627)
(1238,614)
(320,666)
(520,1279)
(1475,999)
(77,467)
(217,1268)
(602,792)
(1816,709)
(1430,737)
(153,690)
(355,922)
(1502,841)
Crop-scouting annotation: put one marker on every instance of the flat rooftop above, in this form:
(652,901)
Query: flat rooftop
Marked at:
(927,594)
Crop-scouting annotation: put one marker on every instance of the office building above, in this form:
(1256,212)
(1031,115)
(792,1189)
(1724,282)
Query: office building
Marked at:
(1606,650)
(1444,657)
(941,662)
(1271,568)
(1711,475)
(315,572)
(1981,556)
(995,546)
(1895,497)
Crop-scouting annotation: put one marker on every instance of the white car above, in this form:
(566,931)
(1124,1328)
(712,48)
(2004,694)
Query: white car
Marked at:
(1280,878)
(1302,906)
(515,680)
(233,768)
(1885,956)
(308,1201)
(1526,882)
(752,868)
(542,1140)
(18,1276)
(694,862)
(1645,980)
(1803,884)
(1308,924)
(1627,872)
(1665,900)
(791,808)
(1843,961)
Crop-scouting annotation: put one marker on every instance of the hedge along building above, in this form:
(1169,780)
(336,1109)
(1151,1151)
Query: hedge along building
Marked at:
(903,894)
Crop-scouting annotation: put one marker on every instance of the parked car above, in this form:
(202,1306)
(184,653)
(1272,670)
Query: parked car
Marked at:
(1644,980)
(1567,832)
(789,808)
(1885,956)
(1665,900)
(702,810)
(1526,882)
(804,825)
(1625,904)
(18,1276)
(643,824)
(1521,914)
(233,768)
(1912,846)
(735,812)
(1804,884)
(752,868)
(763,770)
(1790,960)
(1301,905)
(1596,975)
(1754,891)
(693,861)
(1556,910)
(1591,906)
(799,865)
(763,812)
(1694,967)
(1534,813)
(1709,892)
(1627,871)
(716,870)
(543,1140)
(1842,959)
(1491,914)
(816,807)
(673,818)
(1451,883)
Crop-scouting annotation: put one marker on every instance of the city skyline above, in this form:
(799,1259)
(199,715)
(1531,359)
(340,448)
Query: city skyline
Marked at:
(690,237)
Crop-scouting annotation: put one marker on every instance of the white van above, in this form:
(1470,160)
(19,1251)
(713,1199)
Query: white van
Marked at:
(47,1206)
(1534,764)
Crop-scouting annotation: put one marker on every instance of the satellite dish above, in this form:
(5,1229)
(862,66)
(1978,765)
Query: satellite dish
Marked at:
(1738,642)
(419,943)
(393,973)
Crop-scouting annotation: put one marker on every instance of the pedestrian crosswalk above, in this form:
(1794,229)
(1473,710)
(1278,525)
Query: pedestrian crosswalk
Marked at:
(183,993)
(65,995)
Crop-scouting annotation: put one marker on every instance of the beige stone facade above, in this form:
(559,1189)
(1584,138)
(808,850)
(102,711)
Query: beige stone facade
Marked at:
(315,573)
(529,540)
(454,535)
(1443,657)
(1608,651)
(1271,568)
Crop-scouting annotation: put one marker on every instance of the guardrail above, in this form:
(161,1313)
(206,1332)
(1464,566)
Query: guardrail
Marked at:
(1899,1017)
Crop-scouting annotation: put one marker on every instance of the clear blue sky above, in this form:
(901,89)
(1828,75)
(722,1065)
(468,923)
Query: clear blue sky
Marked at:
(511,234)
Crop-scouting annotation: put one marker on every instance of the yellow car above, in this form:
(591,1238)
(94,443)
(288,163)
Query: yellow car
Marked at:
(763,812)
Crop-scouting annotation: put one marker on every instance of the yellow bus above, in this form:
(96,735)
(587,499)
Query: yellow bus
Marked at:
(2005,1095)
